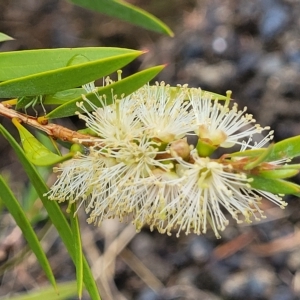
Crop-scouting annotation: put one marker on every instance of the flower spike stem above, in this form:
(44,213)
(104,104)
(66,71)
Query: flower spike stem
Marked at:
(53,130)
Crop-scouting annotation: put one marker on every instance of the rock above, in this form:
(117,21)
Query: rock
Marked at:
(256,284)
(200,249)
(274,19)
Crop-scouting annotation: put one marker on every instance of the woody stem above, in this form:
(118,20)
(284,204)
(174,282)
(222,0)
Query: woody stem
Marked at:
(53,130)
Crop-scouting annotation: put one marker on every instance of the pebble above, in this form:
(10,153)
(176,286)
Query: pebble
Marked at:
(274,19)
(148,294)
(256,284)
(283,292)
(200,249)
(270,63)
(293,260)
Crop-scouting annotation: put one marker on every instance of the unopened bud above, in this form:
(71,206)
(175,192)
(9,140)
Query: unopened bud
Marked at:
(180,148)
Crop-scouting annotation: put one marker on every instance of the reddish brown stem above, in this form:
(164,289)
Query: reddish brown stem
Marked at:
(53,130)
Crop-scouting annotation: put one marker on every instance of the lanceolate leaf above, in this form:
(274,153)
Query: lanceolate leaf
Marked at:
(248,153)
(63,97)
(275,186)
(35,151)
(65,291)
(127,12)
(287,148)
(213,96)
(55,214)
(18,214)
(4,37)
(123,87)
(261,158)
(64,78)
(15,64)
(281,173)
(77,249)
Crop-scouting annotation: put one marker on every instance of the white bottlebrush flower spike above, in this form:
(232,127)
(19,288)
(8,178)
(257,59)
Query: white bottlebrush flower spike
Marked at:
(142,167)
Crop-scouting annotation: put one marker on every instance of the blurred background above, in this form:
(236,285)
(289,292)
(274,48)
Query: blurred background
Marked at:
(251,47)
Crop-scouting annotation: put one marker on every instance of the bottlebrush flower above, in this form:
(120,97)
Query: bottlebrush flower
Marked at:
(219,124)
(164,112)
(115,123)
(143,168)
(207,188)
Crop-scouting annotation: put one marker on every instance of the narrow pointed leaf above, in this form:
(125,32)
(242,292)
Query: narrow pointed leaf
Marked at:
(15,64)
(127,12)
(123,87)
(261,158)
(77,249)
(66,290)
(213,96)
(248,153)
(275,186)
(35,151)
(19,216)
(207,94)
(64,78)
(4,37)
(280,174)
(63,97)
(287,148)
(57,217)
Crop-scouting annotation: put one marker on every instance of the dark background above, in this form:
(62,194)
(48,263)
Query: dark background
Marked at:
(251,47)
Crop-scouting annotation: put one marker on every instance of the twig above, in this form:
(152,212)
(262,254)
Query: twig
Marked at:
(141,270)
(285,243)
(53,130)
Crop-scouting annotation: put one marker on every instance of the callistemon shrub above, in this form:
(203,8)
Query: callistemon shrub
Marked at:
(154,162)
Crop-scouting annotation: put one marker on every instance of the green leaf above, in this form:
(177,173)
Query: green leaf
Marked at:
(214,96)
(54,212)
(207,94)
(75,94)
(18,214)
(275,186)
(261,158)
(287,148)
(63,97)
(15,64)
(278,173)
(35,151)
(77,248)
(248,153)
(66,290)
(123,87)
(64,78)
(4,37)
(127,12)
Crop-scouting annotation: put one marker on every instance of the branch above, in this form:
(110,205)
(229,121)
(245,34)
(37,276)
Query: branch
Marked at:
(53,130)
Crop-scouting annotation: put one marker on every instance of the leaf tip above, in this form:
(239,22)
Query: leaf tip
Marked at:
(171,33)
(144,51)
